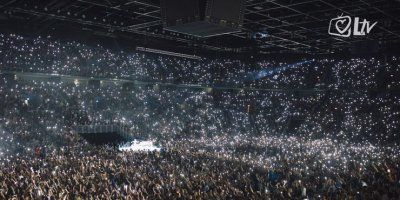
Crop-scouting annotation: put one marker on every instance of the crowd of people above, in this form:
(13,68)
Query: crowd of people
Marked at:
(336,139)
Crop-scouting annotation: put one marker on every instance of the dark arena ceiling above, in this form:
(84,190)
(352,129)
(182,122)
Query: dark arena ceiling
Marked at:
(269,27)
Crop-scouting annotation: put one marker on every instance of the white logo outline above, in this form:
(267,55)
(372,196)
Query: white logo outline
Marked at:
(359,28)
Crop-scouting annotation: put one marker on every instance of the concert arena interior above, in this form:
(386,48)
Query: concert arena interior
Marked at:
(200,99)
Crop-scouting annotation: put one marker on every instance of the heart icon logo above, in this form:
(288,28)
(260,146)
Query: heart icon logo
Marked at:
(340,25)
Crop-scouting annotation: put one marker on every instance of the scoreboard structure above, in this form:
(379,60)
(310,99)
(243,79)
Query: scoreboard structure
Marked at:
(203,18)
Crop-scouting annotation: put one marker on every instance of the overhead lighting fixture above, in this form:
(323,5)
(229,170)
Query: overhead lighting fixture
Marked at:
(169,53)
